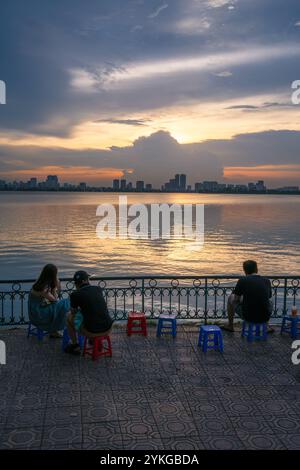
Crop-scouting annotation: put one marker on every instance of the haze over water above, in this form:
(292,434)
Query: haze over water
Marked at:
(38,228)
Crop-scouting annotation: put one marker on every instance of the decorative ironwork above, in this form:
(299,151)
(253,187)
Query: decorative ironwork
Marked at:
(189,297)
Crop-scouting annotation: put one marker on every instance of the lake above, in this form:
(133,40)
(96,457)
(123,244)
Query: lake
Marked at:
(38,228)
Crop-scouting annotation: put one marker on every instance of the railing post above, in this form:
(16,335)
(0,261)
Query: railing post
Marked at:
(205,302)
(143,295)
(285,296)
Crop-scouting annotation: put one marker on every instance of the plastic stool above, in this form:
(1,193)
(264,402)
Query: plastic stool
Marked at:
(290,324)
(36,331)
(98,347)
(136,323)
(66,339)
(254,331)
(167,325)
(210,337)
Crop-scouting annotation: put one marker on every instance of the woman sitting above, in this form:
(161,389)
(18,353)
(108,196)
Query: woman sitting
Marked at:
(45,309)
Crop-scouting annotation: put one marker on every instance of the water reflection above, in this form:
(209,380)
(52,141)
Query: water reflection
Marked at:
(61,228)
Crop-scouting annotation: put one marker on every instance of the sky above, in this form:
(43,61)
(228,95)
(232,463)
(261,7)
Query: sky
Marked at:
(134,89)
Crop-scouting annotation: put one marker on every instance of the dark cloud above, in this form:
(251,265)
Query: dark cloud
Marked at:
(157,157)
(43,41)
(128,122)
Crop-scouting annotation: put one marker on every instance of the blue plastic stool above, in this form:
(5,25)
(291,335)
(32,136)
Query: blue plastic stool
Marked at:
(66,339)
(254,331)
(167,325)
(210,337)
(290,324)
(35,331)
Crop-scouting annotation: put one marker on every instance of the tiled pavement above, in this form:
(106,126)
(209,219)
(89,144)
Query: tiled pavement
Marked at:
(152,394)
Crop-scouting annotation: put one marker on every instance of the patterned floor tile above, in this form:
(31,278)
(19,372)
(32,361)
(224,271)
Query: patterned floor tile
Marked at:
(222,442)
(27,418)
(61,434)
(103,432)
(251,424)
(139,429)
(62,415)
(183,443)
(176,426)
(290,441)
(21,438)
(260,441)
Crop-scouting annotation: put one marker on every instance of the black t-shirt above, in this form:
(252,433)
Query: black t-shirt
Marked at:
(256,291)
(91,302)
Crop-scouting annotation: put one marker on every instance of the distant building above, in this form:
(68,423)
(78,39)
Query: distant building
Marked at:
(123,185)
(210,186)
(116,185)
(289,189)
(52,182)
(32,183)
(182,183)
(198,187)
(260,186)
(177,181)
(148,187)
(82,186)
(140,185)
(129,186)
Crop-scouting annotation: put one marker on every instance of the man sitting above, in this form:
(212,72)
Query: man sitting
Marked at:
(251,298)
(89,315)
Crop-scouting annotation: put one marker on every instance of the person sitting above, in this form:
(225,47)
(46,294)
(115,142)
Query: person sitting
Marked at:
(45,310)
(251,298)
(89,314)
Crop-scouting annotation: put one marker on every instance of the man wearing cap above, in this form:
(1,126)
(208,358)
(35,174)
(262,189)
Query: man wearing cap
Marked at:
(89,315)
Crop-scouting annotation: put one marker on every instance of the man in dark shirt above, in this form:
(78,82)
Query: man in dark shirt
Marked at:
(251,297)
(89,315)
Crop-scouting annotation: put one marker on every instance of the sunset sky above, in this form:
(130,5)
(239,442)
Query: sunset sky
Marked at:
(102,89)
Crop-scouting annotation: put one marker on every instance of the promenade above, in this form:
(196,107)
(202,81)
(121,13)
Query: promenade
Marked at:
(152,394)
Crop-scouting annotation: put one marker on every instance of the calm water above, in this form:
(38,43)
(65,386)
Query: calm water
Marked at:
(37,228)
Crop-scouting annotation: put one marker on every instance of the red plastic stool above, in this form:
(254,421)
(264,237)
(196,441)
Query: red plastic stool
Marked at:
(136,323)
(98,348)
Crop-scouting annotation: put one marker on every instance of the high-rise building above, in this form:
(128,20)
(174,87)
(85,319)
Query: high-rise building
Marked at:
(82,186)
(129,186)
(52,182)
(182,183)
(177,181)
(148,187)
(32,183)
(123,185)
(140,185)
(116,185)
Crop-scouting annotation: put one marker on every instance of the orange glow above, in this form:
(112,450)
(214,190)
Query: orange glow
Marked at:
(271,172)
(76,174)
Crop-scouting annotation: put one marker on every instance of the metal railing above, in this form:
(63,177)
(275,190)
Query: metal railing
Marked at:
(189,297)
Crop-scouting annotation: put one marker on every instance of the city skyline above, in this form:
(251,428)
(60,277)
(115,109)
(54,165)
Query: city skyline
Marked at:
(176,184)
(130,88)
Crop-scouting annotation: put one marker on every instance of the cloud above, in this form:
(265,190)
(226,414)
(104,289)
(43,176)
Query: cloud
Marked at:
(129,122)
(156,12)
(115,76)
(156,158)
(219,3)
(226,73)
(297,23)
(191,26)
(262,106)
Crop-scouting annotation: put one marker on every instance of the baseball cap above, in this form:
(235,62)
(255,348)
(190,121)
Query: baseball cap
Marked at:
(80,276)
